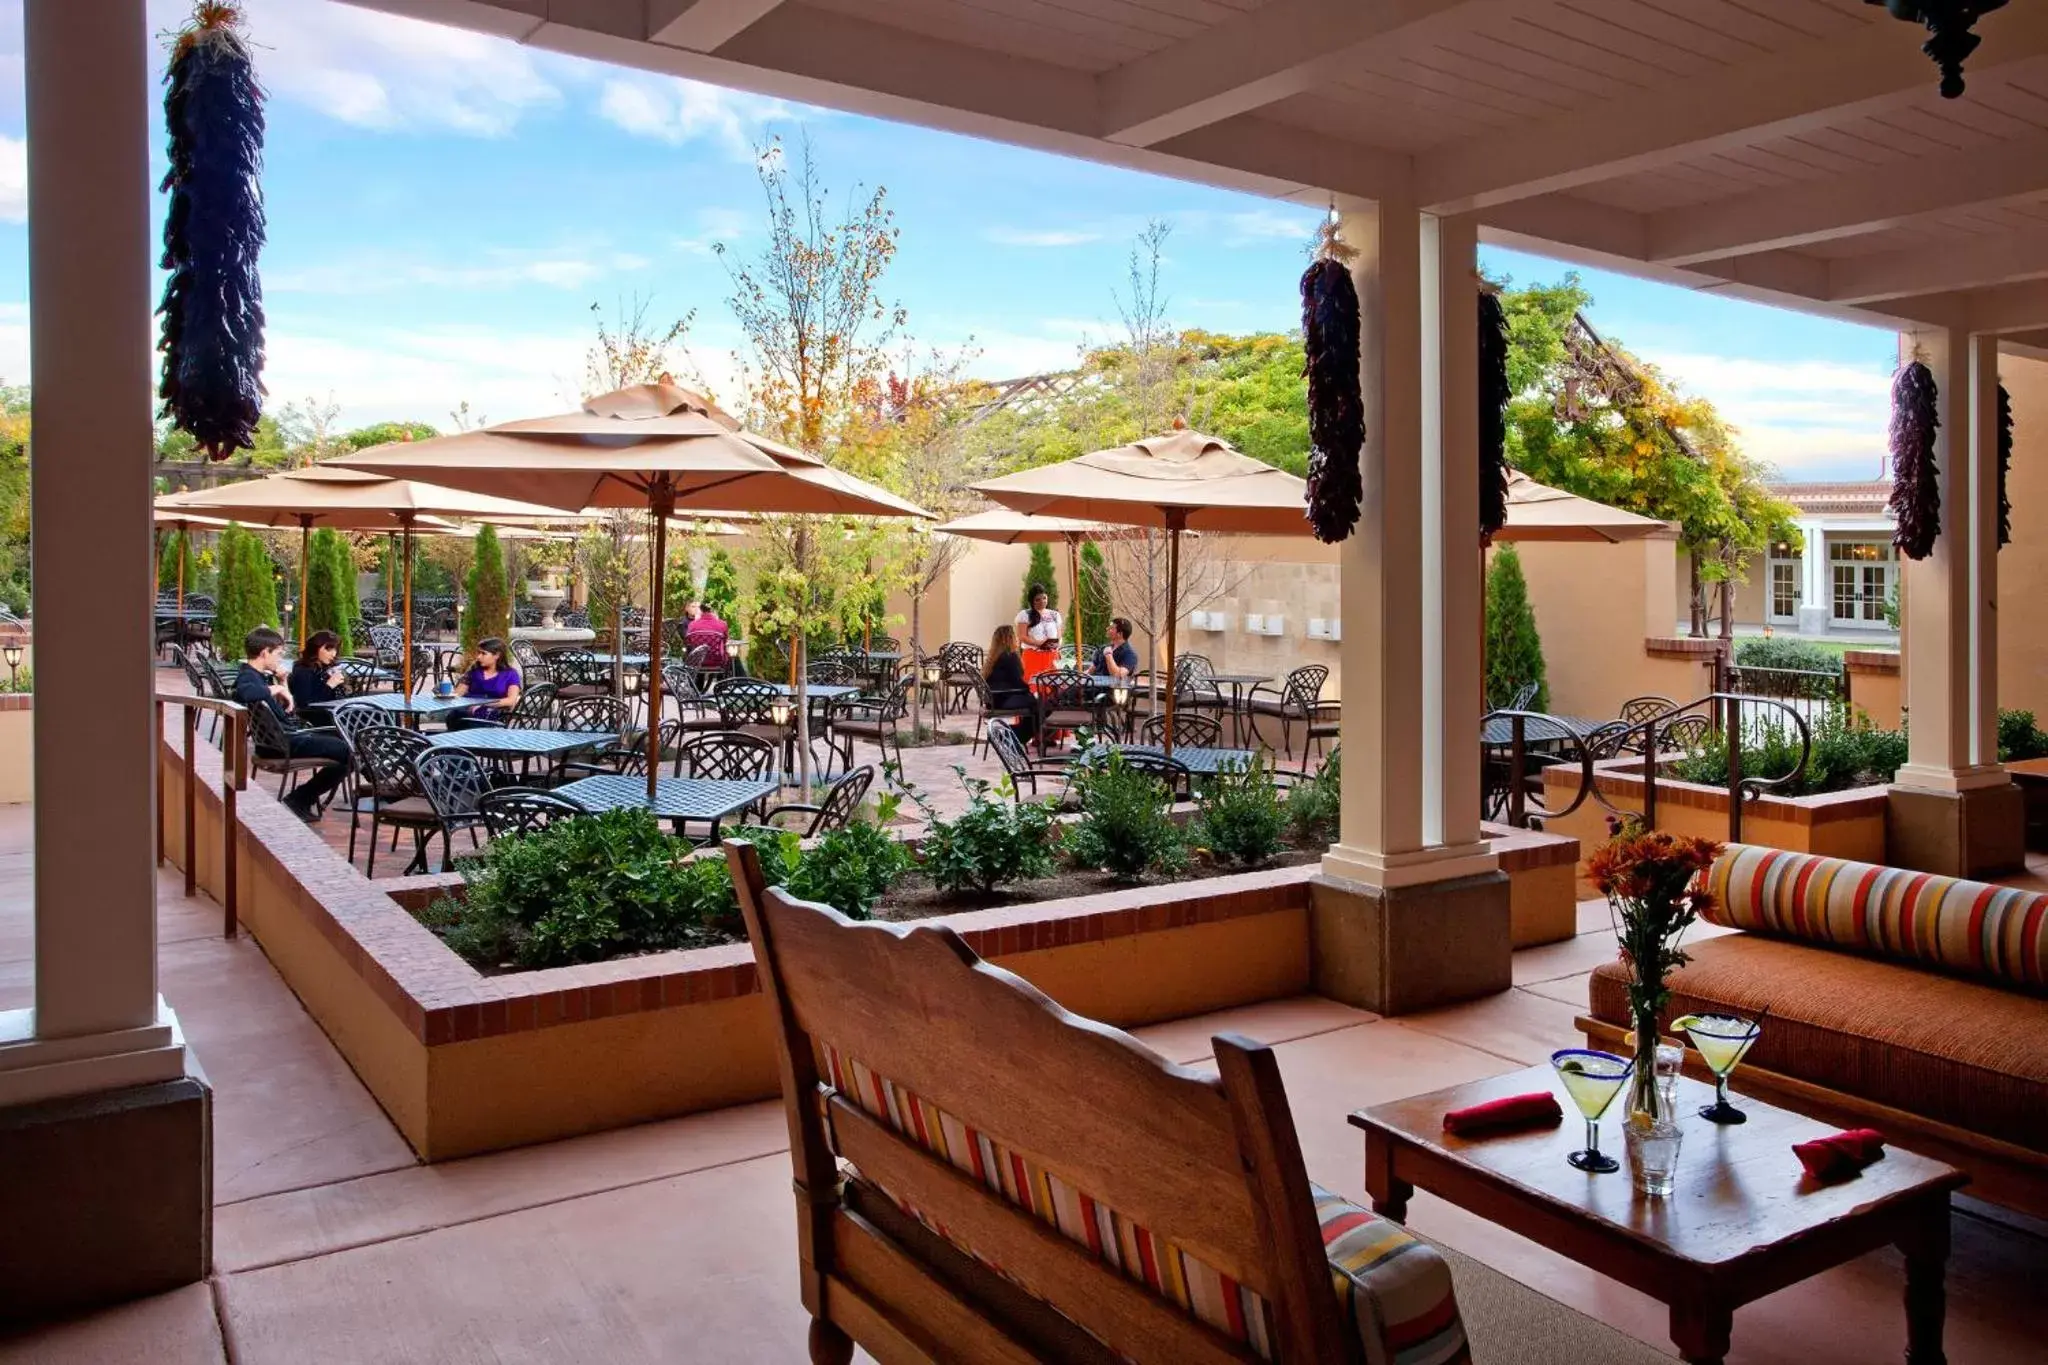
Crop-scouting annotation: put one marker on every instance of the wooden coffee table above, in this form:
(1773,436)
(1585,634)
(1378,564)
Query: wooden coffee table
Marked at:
(1745,1220)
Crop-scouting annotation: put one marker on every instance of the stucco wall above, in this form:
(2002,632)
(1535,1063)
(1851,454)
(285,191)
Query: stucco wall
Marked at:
(17,749)
(1595,605)
(2023,564)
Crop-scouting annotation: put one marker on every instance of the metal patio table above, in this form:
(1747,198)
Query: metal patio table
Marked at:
(1200,762)
(504,744)
(675,798)
(416,706)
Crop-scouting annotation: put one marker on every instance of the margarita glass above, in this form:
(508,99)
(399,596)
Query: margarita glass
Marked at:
(1723,1041)
(1592,1079)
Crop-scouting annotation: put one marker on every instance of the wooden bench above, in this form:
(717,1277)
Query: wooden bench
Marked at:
(983,1176)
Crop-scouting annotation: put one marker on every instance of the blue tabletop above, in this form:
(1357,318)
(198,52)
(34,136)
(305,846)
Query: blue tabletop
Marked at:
(1202,762)
(676,798)
(417,703)
(501,740)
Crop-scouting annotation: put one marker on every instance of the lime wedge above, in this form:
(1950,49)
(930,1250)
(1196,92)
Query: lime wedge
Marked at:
(1571,1066)
(1684,1022)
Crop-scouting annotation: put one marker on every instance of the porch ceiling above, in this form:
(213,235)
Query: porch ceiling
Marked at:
(1799,156)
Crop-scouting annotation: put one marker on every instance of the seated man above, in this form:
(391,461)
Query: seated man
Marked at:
(707,630)
(1117,659)
(256,684)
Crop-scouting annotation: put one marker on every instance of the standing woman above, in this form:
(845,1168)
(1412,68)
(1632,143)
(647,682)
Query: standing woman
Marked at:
(1006,685)
(492,681)
(1038,634)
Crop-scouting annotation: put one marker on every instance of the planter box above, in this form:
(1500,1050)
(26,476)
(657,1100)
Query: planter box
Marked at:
(465,1063)
(1848,824)
(17,748)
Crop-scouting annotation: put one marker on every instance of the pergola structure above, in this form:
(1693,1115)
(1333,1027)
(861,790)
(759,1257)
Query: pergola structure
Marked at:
(1795,153)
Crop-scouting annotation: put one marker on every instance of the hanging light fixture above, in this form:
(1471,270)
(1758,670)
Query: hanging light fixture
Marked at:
(1950,40)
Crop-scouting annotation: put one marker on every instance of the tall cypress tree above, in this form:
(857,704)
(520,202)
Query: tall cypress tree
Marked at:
(248,591)
(178,545)
(1514,652)
(490,608)
(1092,616)
(1040,574)
(721,595)
(352,607)
(327,598)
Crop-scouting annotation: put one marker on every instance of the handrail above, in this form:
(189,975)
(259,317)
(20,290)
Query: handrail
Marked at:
(1517,811)
(234,769)
(1740,788)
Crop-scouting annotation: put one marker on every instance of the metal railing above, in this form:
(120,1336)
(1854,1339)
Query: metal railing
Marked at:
(233,733)
(1721,714)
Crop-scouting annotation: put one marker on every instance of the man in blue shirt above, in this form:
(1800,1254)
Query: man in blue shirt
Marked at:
(1117,659)
(256,684)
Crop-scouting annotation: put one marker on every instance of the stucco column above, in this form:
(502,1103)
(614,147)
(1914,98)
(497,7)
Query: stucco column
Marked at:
(1982,476)
(1385,840)
(1816,606)
(97,1019)
(1940,597)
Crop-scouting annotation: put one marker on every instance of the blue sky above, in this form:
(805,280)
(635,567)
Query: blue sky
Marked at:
(445,208)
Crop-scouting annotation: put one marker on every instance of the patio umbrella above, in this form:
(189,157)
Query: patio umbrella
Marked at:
(1001,526)
(347,500)
(1182,481)
(653,446)
(184,523)
(1536,511)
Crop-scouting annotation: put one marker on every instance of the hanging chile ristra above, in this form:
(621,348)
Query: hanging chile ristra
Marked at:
(2004,466)
(1493,416)
(1916,486)
(212,331)
(1336,409)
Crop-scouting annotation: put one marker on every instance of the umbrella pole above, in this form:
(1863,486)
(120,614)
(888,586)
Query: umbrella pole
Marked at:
(664,504)
(1074,593)
(181,582)
(1175,520)
(406,521)
(305,536)
(390,568)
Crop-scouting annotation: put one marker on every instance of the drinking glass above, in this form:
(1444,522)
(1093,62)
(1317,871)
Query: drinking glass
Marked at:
(1592,1079)
(1723,1041)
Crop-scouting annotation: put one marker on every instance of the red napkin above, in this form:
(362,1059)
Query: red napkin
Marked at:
(1534,1110)
(1839,1155)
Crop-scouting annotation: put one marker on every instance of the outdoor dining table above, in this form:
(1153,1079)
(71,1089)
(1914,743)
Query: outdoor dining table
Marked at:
(1240,685)
(416,706)
(627,660)
(1545,730)
(1200,762)
(498,741)
(675,798)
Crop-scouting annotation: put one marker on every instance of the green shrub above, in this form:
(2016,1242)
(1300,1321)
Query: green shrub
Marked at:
(2019,737)
(851,869)
(1514,651)
(1040,573)
(1804,656)
(993,843)
(248,590)
(1842,755)
(1125,828)
(178,545)
(721,593)
(328,595)
(1313,805)
(1091,617)
(1240,818)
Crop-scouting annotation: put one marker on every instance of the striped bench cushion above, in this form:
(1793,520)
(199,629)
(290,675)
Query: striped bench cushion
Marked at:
(1394,1287)
(1968,928)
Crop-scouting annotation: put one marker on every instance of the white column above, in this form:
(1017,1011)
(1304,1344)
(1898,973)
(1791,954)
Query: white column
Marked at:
(1815,590)
(1939,596)
(1452,590)
(1384,840)
(97,1020)
(1982,476)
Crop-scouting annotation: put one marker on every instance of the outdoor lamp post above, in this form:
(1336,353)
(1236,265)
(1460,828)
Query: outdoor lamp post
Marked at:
(779,711)
(13,655)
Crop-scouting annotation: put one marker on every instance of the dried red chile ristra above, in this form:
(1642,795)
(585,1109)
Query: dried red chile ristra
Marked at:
(1916,485)
(1336,409)
(2004,465)
(1493,416)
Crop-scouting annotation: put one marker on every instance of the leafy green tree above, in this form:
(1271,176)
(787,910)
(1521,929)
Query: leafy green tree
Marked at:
(178,545)
(328,593)
(14,528)
(248,590)
(721,592)
(383,433)
(490,608)
(1040,575)
(344,553)
(1514,652)
(1092,617)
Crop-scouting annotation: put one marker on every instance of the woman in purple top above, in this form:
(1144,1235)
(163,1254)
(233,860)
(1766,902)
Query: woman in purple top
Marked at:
(492,681)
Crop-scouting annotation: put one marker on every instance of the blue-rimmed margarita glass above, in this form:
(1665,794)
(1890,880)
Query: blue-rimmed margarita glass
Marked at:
(1592,1079)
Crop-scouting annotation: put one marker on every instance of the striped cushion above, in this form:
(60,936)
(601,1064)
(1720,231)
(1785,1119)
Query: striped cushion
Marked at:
(1395,1287)
(1969,928)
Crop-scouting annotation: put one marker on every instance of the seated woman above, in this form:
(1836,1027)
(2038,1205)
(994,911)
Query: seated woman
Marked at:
(1006,686)
(492,681)
(315,680)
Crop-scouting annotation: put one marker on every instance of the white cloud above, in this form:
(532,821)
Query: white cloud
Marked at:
(1040,237)
(677,111)
(13,179)
(386,72)
(1264,225)
(491,268)
(714,225)
(14,343)
(423,373)
(1809,419)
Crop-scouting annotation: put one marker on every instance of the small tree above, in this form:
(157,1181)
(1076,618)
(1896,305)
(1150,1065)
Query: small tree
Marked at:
(721,594)
(248,590)
(1514,652)
(177,546)
(1040,574)
(327,593)
(1091,617)
(345,567)
(490,611)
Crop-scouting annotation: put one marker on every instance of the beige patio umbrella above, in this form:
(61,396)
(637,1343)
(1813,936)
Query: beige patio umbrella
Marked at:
(653,446)
(185,523)
(1182,481)
(1536,511)
(347,500)
(1002,526)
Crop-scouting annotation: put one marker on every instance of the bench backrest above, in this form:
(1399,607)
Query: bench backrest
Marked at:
(1001,1122)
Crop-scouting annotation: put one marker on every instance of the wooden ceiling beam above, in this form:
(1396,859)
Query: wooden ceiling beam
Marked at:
(1801,88)
(1958,263)
(703,25)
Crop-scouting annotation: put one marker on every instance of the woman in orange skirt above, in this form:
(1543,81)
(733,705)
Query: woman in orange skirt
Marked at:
(1038,640)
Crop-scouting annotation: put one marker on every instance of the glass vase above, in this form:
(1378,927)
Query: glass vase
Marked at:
(1650,1130)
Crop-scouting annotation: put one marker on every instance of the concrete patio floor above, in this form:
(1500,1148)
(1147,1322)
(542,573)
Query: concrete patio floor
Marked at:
(675,1241)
